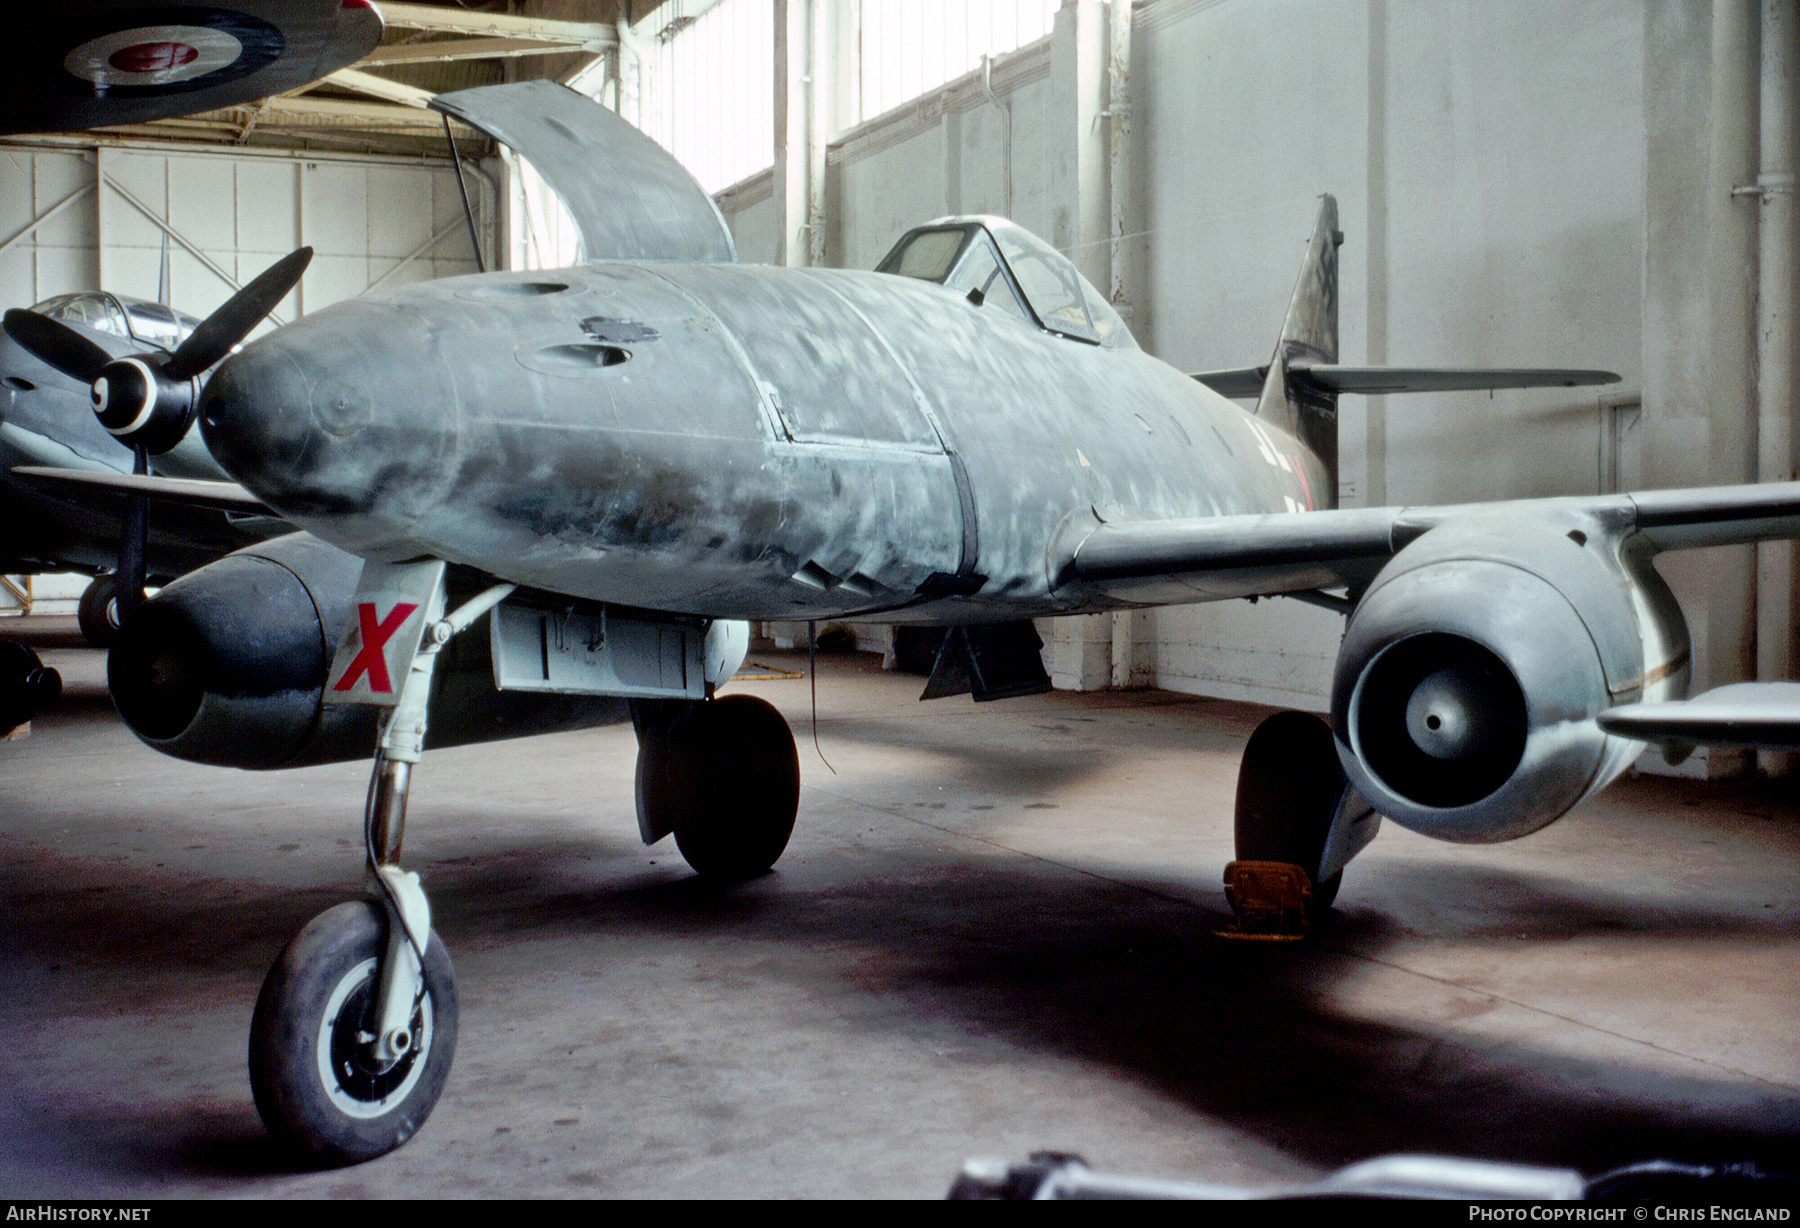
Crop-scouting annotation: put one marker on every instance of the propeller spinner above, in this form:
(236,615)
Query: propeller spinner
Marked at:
(148,401)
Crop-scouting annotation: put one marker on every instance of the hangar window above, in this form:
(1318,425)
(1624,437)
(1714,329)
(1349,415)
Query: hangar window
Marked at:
(903,50)
(698,77)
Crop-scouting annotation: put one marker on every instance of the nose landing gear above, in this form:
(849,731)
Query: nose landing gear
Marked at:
(355,1028)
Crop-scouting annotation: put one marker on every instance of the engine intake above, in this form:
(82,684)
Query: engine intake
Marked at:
(227,666)
(1472,671)
(1442,718)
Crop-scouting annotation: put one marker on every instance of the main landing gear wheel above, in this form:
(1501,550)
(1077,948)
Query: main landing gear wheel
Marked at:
(725,778)
(317,1084)
(98,613)
(1289,787)
(27,685)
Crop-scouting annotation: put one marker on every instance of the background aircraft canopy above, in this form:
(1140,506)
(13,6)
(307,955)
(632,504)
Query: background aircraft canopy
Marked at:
(151,323)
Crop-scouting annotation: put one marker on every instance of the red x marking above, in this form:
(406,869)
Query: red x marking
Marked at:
(375,635)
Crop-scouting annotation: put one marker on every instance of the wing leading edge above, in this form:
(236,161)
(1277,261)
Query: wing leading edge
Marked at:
(1165,562)
(193,492)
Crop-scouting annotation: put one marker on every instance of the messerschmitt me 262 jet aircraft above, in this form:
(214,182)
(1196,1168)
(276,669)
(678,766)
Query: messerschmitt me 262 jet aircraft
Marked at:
(613,466)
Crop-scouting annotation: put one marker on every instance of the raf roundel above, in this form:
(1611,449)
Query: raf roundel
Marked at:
(153,55)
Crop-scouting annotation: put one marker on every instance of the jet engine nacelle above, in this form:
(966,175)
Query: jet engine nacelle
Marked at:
(227,666)
(1473,668)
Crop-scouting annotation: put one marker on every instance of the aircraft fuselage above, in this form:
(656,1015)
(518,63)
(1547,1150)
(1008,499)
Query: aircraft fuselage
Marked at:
(732,441)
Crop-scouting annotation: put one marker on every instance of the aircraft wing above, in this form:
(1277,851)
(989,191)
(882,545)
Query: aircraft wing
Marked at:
(195,492)
(629,197)
(1247,382)
(1170,561)
(92,63)
(1742,714)
(1175,561)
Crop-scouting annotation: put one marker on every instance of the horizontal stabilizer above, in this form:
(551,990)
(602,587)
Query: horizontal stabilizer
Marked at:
(195,492)
(1742,714)
(1246,382)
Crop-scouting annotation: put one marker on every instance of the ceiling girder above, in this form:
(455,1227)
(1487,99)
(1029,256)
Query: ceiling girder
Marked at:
(464,49)
(574,35)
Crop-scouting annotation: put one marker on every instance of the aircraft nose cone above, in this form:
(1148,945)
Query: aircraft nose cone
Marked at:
(247,411)
(345,421)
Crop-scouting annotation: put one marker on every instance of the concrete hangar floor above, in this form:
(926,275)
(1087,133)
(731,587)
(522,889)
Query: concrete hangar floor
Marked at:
(993,933)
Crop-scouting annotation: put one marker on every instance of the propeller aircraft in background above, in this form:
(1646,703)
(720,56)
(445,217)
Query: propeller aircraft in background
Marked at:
(47,420)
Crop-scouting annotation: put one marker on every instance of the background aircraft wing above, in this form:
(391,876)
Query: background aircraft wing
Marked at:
(628,196)
(92,63)
(194,492)
(1161,562)
(1742,714)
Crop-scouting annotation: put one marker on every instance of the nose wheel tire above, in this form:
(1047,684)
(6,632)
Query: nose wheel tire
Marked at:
(318,1085)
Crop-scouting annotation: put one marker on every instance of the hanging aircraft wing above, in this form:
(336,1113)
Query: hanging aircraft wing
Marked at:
(630,199)
(1742,714)
(92,63)
(1169,561)
(1247,382)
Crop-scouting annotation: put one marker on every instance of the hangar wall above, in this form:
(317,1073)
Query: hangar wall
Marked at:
(1533,183)
(75,217)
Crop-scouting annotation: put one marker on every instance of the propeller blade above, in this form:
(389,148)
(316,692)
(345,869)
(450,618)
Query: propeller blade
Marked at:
(56,343)
(232,322)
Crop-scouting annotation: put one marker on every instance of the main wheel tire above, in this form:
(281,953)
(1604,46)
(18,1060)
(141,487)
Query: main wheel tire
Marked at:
(315,1085)
(1289,785)
(733,786)
(98,613)
(27,685)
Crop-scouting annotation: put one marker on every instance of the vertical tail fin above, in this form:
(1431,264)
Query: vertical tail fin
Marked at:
(1309,335)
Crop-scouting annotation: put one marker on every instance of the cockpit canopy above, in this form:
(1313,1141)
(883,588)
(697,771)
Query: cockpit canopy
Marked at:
(122,316)
(996,263)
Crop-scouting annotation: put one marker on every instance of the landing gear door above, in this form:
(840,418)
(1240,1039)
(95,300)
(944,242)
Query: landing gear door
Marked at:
(394,604)
(581,652)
